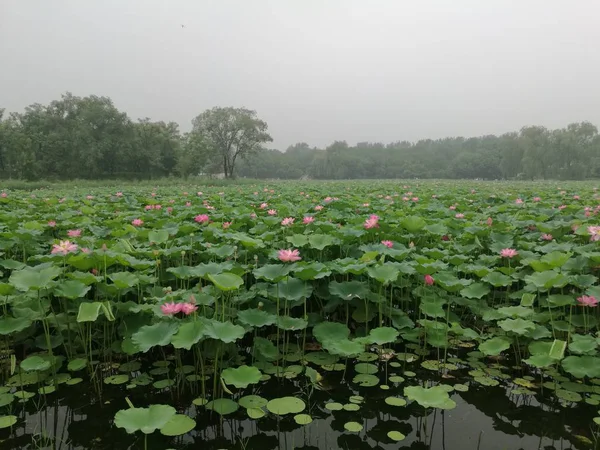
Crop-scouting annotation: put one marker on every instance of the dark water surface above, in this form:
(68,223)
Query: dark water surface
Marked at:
(487,418)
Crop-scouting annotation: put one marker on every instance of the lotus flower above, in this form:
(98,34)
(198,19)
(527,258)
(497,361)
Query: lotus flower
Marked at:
(171,308)
(272,212)
(594,233)
(137,222)
(388,244)
(508,253)
(288,221)
(460,216)
(587,300)
(429,280)
(307,220)
(546,237)
(74,233)
(318,208)
(188,307)
(289,255)
(202,218)
(64,247)
(51,223)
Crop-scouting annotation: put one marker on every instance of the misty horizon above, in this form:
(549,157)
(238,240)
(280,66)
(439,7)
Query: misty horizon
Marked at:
(315,72)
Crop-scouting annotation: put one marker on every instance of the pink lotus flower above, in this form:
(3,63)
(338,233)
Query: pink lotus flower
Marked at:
(153,194)
(327,199)
(74,233)
(404,199)
(188,204)
(171,308)
(4,195)
(289,255)
(85,250)
(137,222)
(460,216)
(148,207)
(415,199)
(452,207)
(64,247)
(89,197)
(561,207)
(157,207)
(576,197)
(508,253)
(263,205)
(388,244)
(546,237)
(169,209)
(272,212)
(189,307)
(119,194)
(429,280)
(490,221)
(594,233)
(587,300)
(366,205)
(288,221)
(318,207)
(308,220)
(202,218)
(371,223)
(226,225)
(51,223)
(253,215)
(537,199)
(199,194)
(519,201)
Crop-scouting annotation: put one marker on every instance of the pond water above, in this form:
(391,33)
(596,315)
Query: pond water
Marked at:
(502,417)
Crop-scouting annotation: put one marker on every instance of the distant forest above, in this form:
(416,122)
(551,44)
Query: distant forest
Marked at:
(89,138)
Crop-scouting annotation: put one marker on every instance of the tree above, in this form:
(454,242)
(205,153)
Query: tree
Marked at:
(231,133)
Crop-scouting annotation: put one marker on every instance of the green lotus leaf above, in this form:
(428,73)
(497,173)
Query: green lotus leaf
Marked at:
(385,273)
(494,346)
(189,334)
(77,364)
(475,290)
(256,317)
(226,281)
(178,424)
(366,380)
(242,376)
(583,344)
(158,236)
(291,289)
(7,421)
(547,279)
(433,397)
(582,366)
(353,427)
(291,323)
(311,271)
(10,325)
(124,280)
(34,278)
(265,349)
(146,420)
(224,331)
(35,364)
(320,241)
(223,406)
(286,405)
(72,289)
(252,401)
(330,331)
(497,279)
(88,311)
(347,290)
(344,347)
(303,419)
(412,224)
(149,336)
(383,335)
(517,326)
(272,272)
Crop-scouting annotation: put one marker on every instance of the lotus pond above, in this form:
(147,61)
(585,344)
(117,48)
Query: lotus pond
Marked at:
(359,315)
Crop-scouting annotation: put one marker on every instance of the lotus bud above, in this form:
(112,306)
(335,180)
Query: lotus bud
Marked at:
(260,305)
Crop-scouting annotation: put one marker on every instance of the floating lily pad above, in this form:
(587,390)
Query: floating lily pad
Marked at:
(146,420)
(395,401)
(286,405)
(303,419)
(222,406)
(353,427)
(242,376)
(334,406)
(178,424)
(252,401)
(395,436)
(7,421)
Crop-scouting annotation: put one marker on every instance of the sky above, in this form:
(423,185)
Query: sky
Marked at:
(315,70)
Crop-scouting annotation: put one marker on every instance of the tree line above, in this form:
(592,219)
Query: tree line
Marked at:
(89,138)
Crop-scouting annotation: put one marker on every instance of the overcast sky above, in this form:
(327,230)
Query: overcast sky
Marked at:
(315,70)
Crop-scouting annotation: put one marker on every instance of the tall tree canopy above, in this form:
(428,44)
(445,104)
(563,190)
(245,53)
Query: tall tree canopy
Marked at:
(231,133)
(90,138)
